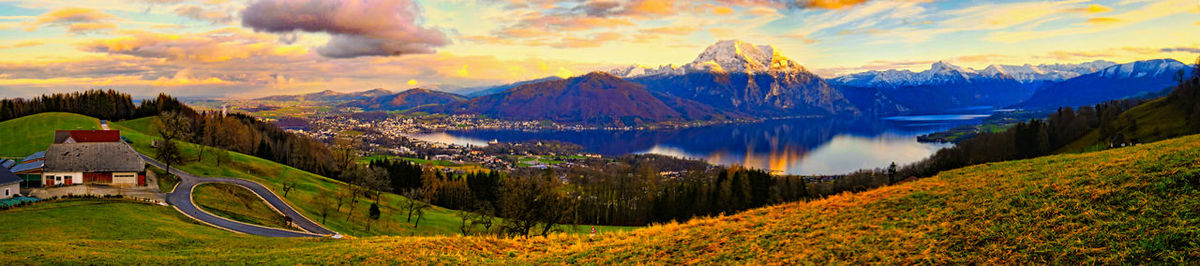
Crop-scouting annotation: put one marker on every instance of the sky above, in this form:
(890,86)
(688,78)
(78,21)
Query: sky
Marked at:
(237,49)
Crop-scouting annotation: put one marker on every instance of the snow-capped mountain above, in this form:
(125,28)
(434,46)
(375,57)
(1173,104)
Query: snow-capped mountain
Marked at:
(728,56)
(944,73)
(1156,67)
(1057,72)
(939,73)
(641,70)
(1139,79)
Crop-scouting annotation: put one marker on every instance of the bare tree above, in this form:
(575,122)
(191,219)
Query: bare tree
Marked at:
(376,179)
(414,197)
(172,126)
(326,201)
(287,187)
(420,211)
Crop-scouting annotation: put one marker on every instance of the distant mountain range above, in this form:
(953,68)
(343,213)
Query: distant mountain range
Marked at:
(597,99)
(1131,80)
(405,100)
(943,73)
(328,96)
(735,79)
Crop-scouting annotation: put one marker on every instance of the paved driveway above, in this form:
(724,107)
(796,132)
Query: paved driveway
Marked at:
(182,200)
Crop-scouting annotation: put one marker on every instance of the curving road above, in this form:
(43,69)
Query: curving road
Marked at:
(181,198)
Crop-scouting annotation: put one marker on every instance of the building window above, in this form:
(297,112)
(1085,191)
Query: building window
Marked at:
(6,192)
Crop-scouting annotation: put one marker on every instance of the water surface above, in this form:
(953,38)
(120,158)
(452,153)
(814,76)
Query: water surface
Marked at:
(790,146)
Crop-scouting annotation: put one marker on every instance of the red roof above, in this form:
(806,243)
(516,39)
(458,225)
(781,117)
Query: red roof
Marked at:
(82,136)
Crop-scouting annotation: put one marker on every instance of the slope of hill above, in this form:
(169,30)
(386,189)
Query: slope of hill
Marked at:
(485,91)
(597,98)
(1131,205)
(405,100)
(25,135)
(311,191)
(1177,114)
(1130,80)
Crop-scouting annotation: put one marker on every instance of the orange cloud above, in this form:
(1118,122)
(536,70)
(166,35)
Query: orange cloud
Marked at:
(214,46)
(652,7)
(1103,21)
(671,30)
(722,10)
(77,20)
(830,4)
(90,26)
(1092,9)
(22,44)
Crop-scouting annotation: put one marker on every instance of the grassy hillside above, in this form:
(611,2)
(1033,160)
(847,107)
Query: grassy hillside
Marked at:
(1152,121)
(1122,206)
(23,136)
(308,192)
(311,190)
(237,203)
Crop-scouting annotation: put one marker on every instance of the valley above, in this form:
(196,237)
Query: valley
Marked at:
(599,132)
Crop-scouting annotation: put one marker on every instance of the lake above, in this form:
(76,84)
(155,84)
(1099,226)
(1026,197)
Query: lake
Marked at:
(820,146)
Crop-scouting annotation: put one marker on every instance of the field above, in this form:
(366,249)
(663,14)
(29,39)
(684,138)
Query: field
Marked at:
(26,135)
(238,204)
(1131,205)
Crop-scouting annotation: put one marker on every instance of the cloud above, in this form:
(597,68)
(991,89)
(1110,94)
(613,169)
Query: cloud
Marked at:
(21,44)
(1091,9)
(829,4)
(214,46)
(1193,50)
(202,14)
(358,28)
(1146,12)
(77,20)
(671,30)
(1102,21)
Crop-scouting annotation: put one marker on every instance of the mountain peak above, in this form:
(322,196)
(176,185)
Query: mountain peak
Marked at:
(417,90)
(944,67)
(743,57)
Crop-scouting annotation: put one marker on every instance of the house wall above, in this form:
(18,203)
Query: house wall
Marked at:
(76,178)
(125,178)
(10,190)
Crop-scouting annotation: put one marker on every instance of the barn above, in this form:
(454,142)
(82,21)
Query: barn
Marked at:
(108,163)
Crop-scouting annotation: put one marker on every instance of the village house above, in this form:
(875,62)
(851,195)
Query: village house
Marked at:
(10,184)
(92,157)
